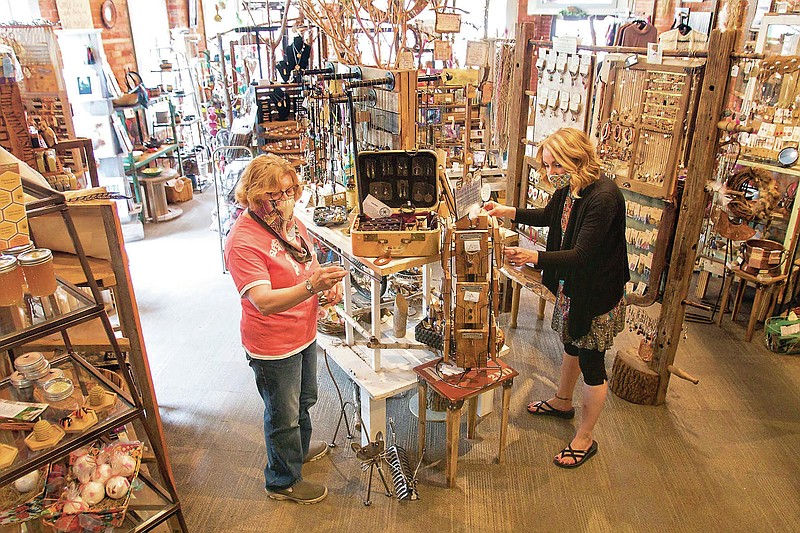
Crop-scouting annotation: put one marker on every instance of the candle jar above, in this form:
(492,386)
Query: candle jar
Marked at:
(11,281)
(37,266)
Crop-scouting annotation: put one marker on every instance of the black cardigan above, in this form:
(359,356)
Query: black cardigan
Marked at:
(594,259)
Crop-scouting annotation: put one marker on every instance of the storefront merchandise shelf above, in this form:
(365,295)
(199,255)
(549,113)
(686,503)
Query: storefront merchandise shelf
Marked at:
(84,377)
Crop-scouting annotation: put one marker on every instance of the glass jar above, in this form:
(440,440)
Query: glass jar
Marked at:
(61,396)
(37,265)
(11,281)
(22,386)
(16,250)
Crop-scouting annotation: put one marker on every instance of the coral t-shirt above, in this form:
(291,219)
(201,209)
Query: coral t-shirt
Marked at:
(254,257)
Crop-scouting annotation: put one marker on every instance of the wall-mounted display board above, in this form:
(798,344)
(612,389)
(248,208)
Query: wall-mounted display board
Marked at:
(563,91)
(643,133)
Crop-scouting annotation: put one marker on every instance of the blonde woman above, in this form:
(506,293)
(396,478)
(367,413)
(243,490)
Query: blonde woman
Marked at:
(585,266)
(271,260)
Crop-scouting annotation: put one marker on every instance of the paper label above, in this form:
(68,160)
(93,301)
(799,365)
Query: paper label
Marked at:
(374,208)
(472,246)
(654,55)
(442,50)
(477,54)
(448,23)
(791,329)
(561,62)
(472,296)
(566,45)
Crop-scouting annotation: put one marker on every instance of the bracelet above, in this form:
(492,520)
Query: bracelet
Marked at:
(310,287)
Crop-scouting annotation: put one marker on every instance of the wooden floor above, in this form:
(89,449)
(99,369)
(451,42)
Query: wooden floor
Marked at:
(718,456)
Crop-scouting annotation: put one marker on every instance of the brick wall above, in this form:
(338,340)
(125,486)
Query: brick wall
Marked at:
(117,42)
(178,13)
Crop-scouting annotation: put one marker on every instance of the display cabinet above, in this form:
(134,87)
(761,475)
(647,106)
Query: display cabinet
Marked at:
(66,308)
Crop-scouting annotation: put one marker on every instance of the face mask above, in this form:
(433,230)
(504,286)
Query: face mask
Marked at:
(559,180)
(284,207)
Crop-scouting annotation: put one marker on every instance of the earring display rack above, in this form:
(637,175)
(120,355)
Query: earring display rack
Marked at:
(563,91)
(642,130)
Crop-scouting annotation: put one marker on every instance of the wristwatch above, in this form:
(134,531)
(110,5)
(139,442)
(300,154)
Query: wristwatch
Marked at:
(309,287)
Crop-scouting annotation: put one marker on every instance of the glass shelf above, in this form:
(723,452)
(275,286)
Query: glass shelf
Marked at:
(84,377)
(37,317)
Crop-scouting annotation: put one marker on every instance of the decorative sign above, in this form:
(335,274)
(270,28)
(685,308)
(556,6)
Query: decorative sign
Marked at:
(565,45)
(13,219)
(405,60)
(442,50)
(468,196)
(477,54)
(75,14)
(448,23)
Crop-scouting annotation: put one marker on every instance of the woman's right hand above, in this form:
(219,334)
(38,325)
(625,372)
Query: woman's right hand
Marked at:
(499,210)
(326,277)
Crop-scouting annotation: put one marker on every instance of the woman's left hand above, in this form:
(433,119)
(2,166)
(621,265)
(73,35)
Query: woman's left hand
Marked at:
(519,256)
(334,294)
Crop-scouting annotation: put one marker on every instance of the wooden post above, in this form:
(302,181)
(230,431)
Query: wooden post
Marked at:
(701,164)
(518,127)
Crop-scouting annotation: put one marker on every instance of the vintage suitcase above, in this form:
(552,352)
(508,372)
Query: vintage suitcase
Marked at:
(407,183)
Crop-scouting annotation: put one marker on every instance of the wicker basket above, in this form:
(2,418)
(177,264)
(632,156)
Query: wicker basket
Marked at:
(107,513)
(778,339)
(28,506)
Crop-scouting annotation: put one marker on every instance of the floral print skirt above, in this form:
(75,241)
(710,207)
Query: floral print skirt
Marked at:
(603,330)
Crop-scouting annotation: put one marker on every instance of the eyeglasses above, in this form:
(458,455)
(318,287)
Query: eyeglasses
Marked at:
(291,192)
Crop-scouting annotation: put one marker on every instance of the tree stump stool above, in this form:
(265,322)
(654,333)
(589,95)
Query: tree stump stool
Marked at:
(632,380)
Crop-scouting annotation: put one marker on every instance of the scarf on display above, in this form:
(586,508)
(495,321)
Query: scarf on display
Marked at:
(285,231)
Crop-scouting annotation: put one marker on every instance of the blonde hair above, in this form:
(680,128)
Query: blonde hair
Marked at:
(262,175)
(572,149)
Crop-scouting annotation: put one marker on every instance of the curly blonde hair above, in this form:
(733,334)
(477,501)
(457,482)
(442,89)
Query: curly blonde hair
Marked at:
(573,150)
(262,175)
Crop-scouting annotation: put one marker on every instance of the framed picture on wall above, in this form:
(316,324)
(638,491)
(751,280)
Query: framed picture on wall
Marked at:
(84,85)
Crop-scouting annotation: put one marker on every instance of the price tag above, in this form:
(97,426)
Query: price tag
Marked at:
(552,99)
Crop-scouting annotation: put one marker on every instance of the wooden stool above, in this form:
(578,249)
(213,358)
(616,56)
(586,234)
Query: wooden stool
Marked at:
(767,290)
(456,390)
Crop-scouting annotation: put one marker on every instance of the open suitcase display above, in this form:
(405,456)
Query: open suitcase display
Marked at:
(407,183)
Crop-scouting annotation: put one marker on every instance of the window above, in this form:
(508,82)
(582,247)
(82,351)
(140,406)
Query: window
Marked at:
(592,7)
(19,11)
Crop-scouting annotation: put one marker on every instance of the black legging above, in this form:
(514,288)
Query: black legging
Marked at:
(592,363)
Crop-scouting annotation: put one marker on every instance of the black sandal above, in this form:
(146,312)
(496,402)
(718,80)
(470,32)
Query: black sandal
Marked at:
(579,456)
(543,408)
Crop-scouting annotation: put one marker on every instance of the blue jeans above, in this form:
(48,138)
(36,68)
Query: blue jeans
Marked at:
(289,389)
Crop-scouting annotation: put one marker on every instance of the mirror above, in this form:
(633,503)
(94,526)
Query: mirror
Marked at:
(788,156)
